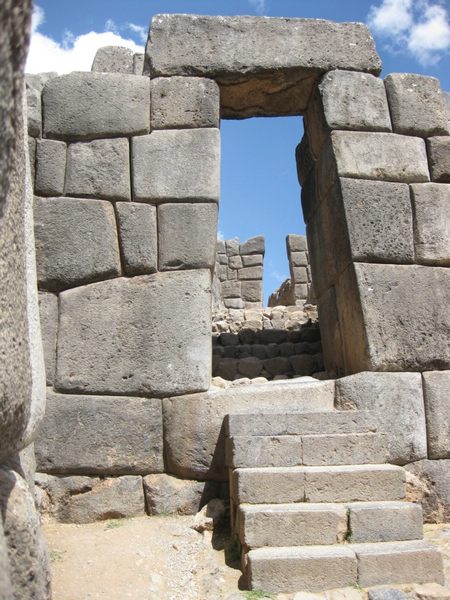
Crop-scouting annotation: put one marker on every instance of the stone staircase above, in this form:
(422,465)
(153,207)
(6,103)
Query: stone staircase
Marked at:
(316,507)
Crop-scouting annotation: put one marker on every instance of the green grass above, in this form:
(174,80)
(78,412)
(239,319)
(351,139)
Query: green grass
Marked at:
(257,595)
(56,555)
(114,524)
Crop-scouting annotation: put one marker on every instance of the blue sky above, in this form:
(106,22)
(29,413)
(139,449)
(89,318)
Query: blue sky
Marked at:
(260,193)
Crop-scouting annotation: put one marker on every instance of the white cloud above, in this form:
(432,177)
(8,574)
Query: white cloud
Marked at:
(259,6)
(141,31)
(74,53)
(419,27)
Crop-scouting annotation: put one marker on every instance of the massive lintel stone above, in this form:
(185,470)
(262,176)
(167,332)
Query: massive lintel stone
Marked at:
(101,435)
(264,66)
(149,335)
(84,106)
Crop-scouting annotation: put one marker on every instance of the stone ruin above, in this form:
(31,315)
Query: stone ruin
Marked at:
(126,186)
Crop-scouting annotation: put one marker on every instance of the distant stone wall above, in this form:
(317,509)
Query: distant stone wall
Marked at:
(298,289)
(239,273)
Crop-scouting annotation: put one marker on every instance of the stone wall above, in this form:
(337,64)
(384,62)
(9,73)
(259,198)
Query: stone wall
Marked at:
(297,290)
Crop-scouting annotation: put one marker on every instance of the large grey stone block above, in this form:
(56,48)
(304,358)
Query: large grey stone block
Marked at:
(100,435)
(187,235)
(76,242)
(264,66)
(405,338)
(396,403)
(176,165)
(252,291)
(263,451)
(80,499)
(431,203)
(436,387)
(439,158)
(428,482)
(344,449)
(417,105)
(48,310)
(138,237)
(50,168)
(99,169)
(83,106)
(384,521)
(194,434)
(149,335)
(29,567)
(184,102)
(254,245)
(113,59)
(34,111)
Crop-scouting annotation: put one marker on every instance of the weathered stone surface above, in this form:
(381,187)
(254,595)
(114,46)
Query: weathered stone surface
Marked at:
(396,402)
(176,165)
(436,387)
(184,102)
(249,273)
(5,581)
(398,562)
(381,156)
(232,247)
(252,291)
(384,521)
(387,593)
(344,449)
(264,66)
(406,338)
(254,245)
(291,524)
(34,112)
(417,105)
(99,169)
(312,568)
(138,63)
(428,482)
(32,157)
(331,332)
(431,203)
(439,158)
(87,499)
(263,451)
(76,242)
(187,235)
(29,568)
(113,59)
(38,80)
(149,335)
(193,425)
(138,237)
(48,310)
(50,167)
(252,260)
(79,106)
(166,495)
(100,435)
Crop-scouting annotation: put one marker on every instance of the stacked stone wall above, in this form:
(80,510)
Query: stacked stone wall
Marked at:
(298,289)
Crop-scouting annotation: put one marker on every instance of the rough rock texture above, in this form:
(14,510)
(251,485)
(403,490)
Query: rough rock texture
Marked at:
(397,402)
(138,237)
(48,311)
(50,168)
(87,499)
(100,435)
(74,106)
(428,482)
(184,102)
(431,203)
(439,158)
(5,581)
(76,242)
(436,386)
(149,335)
(247,56)
(113,59)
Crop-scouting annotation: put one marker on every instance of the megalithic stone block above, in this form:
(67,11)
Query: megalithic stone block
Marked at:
(138,237)
(113,59)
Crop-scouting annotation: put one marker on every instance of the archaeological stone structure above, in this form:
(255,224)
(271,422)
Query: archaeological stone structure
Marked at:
(298,289)
(332,467)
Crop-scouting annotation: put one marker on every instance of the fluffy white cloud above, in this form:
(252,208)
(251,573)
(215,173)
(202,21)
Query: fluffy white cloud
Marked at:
(420,27)
(74,53)
(259,6)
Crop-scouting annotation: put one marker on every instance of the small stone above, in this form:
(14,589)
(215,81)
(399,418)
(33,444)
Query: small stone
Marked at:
(209,516)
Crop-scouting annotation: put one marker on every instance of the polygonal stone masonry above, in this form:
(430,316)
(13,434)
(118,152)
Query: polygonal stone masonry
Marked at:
(439,158)
(50,167)
(48,311)
(113,59)
(34,111)
(436,386)
(138,235)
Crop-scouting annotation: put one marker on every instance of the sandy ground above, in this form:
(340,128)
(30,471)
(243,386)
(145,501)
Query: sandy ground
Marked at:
(155,558)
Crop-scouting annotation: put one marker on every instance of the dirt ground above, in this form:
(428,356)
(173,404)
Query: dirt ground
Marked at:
(159,558)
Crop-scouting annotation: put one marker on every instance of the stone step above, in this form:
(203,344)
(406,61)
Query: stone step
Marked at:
(260,525)
(318,568)
(309,450)
(300,423)
(284,485)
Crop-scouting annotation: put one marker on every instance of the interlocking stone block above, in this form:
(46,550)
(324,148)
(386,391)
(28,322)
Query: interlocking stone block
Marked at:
(32,158)
(176,165)
(344,449)
(248,273)
(76,242)
(34,111)
(121,337)
(400,413)
(138,237)
(417,105)
(429,483)
(48,310)
(113,59)
(83,106)
(439,158)
(187,235)
(313,568)
(99,169)
(167,495)
(252,260)
(254,245)
(431,203)
(184,102)
(50,168)
(405,339)
(436,385)
(100,435)
(231,289)
(263,451)
(304,159)
(291,524)
(384,521)
(38,80)
(252,291)
(265,485)
(258,62)
(138,63)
